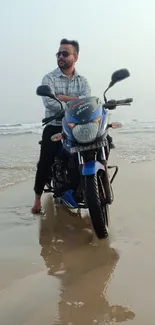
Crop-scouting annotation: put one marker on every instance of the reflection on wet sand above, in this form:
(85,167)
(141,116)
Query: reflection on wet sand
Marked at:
(85,267)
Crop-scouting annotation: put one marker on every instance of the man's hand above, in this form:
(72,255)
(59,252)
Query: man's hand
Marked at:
(66,99)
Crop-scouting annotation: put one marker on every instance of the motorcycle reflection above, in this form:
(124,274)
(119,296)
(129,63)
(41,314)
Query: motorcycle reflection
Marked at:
(84,268)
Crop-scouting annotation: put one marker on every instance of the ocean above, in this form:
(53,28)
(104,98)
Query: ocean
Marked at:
(19,148)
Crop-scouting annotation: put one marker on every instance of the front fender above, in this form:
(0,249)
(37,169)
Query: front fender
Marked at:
(91,167)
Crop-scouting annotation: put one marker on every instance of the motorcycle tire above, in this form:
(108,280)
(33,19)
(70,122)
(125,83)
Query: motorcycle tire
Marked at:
(98,212)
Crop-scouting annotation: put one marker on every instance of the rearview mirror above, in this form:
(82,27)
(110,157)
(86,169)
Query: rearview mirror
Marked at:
(118,76)
(44,90)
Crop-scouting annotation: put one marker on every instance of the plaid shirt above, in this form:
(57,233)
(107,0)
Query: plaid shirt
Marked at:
(60,84)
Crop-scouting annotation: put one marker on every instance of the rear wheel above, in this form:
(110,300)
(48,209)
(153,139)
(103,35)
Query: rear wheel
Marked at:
(96,204)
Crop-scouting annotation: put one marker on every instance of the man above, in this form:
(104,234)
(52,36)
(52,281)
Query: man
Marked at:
(67,85)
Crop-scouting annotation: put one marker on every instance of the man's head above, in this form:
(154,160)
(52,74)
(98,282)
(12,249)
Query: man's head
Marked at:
(67,54)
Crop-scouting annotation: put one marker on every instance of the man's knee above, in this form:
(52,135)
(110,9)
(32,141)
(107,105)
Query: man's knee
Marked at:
(45,156)
(43,163)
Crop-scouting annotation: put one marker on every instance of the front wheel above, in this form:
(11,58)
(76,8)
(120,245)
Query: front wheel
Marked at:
(98,211)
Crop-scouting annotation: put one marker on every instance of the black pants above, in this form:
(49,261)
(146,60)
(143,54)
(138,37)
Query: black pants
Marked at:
(49,150)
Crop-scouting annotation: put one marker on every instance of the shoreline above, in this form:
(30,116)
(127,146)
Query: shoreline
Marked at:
(114,159)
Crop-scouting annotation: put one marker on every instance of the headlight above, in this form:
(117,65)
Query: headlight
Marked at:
(85,133)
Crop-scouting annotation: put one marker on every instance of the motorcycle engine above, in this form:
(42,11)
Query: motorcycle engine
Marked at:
(60,174)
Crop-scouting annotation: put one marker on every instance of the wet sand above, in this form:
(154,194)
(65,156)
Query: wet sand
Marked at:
(54,271)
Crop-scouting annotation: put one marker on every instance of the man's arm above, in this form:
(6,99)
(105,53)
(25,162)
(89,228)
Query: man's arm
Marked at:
(54,106)
(65,98)
(85,89)
(48,102)
(85,92)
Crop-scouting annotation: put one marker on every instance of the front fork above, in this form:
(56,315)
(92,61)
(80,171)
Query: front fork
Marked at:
(106,179)
(80,188)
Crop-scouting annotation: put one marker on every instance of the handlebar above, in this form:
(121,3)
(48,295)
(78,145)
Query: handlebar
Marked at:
(57,117)
(111,104)
(124,101)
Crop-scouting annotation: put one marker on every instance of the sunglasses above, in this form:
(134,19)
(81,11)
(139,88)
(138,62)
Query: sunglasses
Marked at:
(63,53)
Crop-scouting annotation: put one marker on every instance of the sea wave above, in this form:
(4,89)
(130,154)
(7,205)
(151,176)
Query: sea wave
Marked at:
(133,126)
(20,129)
(28,167)
(12,174)
(9,125)
(140,131)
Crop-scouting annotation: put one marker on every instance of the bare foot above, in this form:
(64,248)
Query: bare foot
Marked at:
(37,206)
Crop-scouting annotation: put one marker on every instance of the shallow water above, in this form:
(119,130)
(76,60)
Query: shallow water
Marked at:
(54,271)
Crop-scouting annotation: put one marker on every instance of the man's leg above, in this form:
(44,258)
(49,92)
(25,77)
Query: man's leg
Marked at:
(47,155)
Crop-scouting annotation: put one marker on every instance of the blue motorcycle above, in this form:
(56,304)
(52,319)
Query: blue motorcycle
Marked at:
(79,175)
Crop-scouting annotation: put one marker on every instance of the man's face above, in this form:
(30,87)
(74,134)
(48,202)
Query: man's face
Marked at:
(66,56)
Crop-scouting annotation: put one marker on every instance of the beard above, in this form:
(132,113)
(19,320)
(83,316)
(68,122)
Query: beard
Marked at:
(65,65)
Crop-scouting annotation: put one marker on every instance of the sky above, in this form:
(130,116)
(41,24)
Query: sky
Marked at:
(112,35)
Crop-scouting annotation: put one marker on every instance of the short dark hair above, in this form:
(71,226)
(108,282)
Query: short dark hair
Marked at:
(75,44)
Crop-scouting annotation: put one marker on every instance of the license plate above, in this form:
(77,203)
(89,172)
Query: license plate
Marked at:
(88,147)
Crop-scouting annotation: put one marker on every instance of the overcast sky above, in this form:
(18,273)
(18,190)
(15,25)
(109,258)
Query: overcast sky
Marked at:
(113,34)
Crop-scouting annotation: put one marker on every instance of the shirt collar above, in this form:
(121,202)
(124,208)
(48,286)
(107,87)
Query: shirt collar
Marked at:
(59,73)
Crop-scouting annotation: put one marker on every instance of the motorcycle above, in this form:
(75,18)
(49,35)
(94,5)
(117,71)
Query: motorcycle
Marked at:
(79,175)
